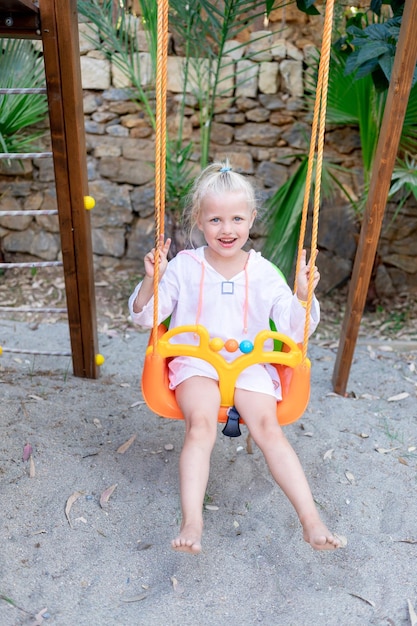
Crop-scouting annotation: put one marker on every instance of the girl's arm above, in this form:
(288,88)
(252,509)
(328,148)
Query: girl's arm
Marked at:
(145,292)
(288,310)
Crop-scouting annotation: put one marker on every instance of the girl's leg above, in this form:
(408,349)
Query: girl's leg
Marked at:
(199,400)
(259,414)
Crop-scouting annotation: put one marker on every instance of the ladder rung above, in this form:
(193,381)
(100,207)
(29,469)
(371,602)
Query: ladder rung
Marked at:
(25,155)
(35,352)
(34,212)
(31,309)
(22,90)
(34,264)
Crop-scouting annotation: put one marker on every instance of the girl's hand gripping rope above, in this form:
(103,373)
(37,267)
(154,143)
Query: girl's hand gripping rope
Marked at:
(304,277)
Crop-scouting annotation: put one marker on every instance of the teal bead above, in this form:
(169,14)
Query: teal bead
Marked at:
(246,346)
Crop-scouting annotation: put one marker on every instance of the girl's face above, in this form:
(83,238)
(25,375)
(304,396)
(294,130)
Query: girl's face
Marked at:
(225,220)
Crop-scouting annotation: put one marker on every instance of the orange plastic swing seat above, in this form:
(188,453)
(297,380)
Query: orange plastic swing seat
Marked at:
(294,373)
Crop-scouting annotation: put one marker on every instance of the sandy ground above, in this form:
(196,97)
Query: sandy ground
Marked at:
(71,562)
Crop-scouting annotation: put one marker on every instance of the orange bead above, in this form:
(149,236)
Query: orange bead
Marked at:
(231,345)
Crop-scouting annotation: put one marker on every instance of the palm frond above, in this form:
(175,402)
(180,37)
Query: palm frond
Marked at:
(283,218)
(404,177)
(284,211)
(20,67)
(408,142)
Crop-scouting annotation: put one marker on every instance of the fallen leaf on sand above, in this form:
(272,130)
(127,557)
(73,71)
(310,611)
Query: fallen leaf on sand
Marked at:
(342,539)
(386,450)
(73,498)
(328,455)
(27,451)
(355,595)
(32,471)
(412,613)
(398,397)
(39,619)
(138,598)
(372,353)
(350,477)
(34,397)
(105,496)
(126,445)
(368,396)
(176,586)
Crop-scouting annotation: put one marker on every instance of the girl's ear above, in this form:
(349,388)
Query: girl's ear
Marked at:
(253,216)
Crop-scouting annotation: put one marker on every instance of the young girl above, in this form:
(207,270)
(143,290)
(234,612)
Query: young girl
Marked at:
(234,294)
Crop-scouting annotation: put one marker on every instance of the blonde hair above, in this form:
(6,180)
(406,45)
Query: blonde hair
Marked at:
(216,178)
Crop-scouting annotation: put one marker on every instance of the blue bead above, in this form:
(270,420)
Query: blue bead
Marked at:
(246,346)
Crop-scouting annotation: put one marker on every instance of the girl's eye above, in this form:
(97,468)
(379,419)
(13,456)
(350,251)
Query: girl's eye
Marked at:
(215,220)
(238,219)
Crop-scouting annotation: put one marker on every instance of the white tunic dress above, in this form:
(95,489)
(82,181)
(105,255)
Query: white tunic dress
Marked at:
(192,291)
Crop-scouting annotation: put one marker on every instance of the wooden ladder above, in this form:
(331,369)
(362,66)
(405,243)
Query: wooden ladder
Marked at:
(55,23)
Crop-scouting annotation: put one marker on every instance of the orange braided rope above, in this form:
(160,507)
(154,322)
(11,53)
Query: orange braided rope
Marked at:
(160,150)
(317,136)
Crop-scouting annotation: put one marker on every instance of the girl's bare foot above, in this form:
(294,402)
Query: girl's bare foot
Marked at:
(189,540)
(320,538)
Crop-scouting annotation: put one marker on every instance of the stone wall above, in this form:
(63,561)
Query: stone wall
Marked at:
(259,124)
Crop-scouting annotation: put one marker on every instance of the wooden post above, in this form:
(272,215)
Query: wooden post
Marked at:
(386,152)
(59,24)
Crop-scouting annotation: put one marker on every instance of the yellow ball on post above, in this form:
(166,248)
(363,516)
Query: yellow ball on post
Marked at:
(89,203)
(99,359)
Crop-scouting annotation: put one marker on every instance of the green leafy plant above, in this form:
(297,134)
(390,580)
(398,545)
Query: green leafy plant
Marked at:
(405,175)
(307,6)
(20,67)
(354,99)
(207,30)
(372,39)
